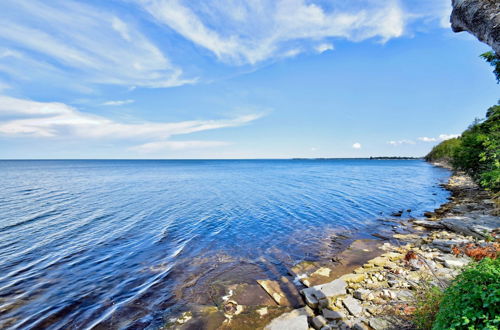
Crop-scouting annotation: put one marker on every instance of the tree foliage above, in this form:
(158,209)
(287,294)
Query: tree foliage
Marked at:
(494,61)
(476,151)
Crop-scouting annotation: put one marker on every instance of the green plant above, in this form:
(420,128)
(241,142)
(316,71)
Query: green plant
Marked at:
(494,61)
(427,300)
(472,301)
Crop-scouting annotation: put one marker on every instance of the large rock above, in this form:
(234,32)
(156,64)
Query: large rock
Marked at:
(294,320)
(353,306)
(477,226)
(479,17)
(332,289)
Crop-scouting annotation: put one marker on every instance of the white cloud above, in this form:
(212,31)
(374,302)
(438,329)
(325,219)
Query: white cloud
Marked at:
(356,145)
(242,32)
(84,42)
(118,103)
(19,117)
(321,48)
(152,147)
(441,137)
(427,139)
(400,142)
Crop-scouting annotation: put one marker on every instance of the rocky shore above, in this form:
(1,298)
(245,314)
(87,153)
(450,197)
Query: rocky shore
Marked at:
(374,283)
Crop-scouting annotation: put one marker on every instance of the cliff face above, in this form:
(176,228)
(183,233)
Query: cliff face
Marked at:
(479,17)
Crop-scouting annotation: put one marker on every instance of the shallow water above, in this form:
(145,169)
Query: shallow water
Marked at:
(105,244)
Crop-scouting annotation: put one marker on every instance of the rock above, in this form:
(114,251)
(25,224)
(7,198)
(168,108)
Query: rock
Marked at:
(378,323)
(274,290)
(294,320)
(429,224)
(445,245)
(354,278)
(318,322)
(332,315)
(359,326)
(480,18)
(363,294)
(310,299)
(353,306)
(331,289)
(453,262)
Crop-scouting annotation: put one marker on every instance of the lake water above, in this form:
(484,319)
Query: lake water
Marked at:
(106,244)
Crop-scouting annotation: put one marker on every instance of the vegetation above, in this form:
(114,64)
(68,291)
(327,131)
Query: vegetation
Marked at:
(427,302)
(477,151)
(472,301)
(444,151)
(494,61)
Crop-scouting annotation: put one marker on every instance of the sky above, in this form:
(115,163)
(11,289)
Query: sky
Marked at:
(170,79)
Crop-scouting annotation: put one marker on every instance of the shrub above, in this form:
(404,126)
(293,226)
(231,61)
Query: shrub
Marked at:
(472,301)
(427,301)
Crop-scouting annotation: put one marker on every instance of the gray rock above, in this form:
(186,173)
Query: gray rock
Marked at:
(476,225)
(332,315)
(445,245)
(331,289)
(294,320)
(318,322)
(480,18)
(429,224)
(453,262)
(353,306)
(362,294)
(378,323)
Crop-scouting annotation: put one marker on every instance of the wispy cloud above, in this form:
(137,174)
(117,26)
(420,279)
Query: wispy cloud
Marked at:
(19,117)
(441,137)
(401,142)
(356,145)
(427,139)
(77,40)
(118,103)
(153,147)
(242,32)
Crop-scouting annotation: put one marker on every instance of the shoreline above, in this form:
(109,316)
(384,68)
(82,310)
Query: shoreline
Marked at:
(369,274)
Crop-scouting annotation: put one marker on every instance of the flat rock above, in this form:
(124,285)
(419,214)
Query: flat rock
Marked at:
(429,224)
(332,315)
(445,245)
(273,288)
(353,306)
(331,289)
(294,320)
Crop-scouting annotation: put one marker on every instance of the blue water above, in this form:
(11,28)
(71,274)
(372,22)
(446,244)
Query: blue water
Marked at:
(105,243)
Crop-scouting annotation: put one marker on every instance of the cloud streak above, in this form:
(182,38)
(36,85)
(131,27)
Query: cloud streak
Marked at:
(19,117)
(248,32)
(70,39)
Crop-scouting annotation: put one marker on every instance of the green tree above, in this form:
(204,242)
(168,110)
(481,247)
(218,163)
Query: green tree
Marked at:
(494,61)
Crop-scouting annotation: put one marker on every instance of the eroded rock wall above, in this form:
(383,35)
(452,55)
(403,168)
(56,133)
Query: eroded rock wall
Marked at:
(479,17)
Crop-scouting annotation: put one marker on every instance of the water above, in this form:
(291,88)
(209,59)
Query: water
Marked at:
(106,243)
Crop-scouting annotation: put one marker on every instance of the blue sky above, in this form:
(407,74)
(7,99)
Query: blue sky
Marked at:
(235,79)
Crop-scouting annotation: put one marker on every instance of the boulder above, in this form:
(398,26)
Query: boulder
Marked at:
(353,306)
(429,224)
